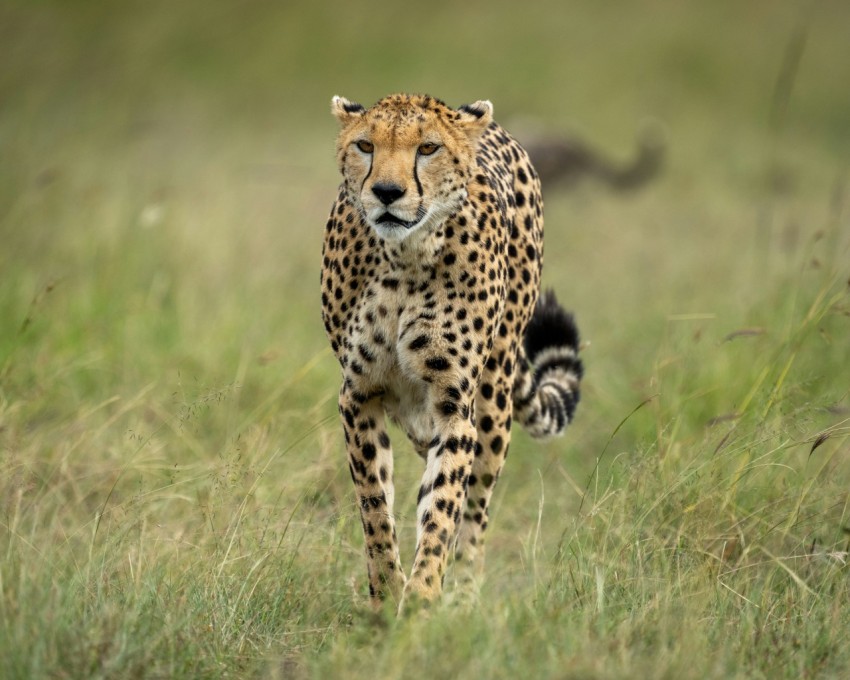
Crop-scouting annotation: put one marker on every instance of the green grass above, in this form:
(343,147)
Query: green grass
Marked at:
(174,500)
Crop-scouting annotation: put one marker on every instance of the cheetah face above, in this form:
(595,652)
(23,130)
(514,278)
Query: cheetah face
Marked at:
(406,161)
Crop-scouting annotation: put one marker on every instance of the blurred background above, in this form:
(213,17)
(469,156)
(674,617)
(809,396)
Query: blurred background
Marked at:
(166,169)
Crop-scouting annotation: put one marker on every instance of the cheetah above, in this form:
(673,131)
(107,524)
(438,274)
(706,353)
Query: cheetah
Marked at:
(430,284)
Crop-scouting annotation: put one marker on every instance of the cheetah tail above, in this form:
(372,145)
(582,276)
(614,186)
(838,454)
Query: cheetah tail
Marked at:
(546,390)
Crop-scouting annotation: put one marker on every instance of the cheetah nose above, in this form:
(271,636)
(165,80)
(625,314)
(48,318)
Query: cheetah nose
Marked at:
(387,193)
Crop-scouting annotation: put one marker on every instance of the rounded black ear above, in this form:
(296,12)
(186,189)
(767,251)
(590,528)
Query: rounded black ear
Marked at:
(476,117)
(346,110)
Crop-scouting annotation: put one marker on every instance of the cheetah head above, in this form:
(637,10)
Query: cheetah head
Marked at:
(406,161)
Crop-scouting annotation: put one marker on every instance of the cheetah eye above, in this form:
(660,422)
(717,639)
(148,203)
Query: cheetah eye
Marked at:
(365,147)
(427,149)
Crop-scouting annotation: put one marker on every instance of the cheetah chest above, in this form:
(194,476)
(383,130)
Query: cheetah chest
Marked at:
(381,333)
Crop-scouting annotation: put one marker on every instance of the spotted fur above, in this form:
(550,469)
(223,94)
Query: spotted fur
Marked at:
(430,283)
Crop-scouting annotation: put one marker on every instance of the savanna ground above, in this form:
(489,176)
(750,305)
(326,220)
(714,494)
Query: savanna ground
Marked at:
(174,498)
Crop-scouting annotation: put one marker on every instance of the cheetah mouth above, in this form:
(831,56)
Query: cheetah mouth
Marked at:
(389,218)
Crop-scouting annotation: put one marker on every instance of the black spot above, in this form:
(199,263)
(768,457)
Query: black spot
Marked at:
(448,408)
(420,342)
(366,353)
(369,451)
(437,363)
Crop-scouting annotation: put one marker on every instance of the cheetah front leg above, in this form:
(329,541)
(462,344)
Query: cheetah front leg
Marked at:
(440,502)
(370,460)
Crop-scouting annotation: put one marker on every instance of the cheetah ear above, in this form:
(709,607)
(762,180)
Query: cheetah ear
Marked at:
(476,117)
(345,110)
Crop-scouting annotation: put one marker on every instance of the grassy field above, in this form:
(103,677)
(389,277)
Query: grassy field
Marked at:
(174,498)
